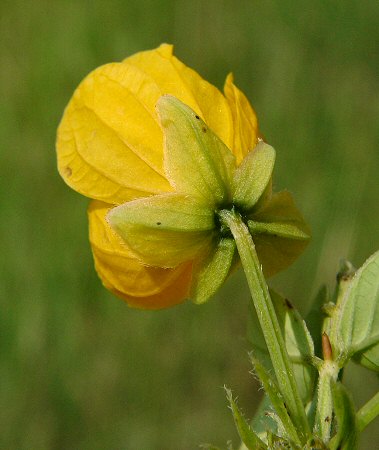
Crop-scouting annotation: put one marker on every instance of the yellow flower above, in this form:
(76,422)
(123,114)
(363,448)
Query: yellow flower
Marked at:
(110,147)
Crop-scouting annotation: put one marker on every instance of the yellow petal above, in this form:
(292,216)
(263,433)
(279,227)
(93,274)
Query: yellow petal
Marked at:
(109,145)
(172,295)
(175,78)
(245,122)
(122,273)
(109,142)
(276,254)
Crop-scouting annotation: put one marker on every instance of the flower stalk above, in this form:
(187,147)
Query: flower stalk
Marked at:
(268,319)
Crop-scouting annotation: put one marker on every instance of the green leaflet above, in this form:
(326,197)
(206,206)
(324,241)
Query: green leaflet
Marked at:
(285,424)
(298,342)
(164,230)
(213,271)
(263,420)
(253,176)
(369,358)
(247,435)
(196,161)
(354,325)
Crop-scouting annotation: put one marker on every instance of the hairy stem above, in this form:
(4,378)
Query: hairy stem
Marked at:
(324,413)
(268,320)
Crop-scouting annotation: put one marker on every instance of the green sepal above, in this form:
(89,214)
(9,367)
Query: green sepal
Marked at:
(345,416)
(247,435)
(283,230)
(164,230)
(269,385)
(196,161)
(278,213)
(253,176)
(213,272)
(298,340)
(354,325)
(279,216)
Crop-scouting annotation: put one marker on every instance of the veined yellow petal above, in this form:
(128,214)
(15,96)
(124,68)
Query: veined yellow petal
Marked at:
(108,131)
(172,295)
(122,273)
(245,121)
(109,142)
(276,254)
(175,78)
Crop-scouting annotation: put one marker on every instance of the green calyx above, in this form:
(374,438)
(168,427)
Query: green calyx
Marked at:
(172,228)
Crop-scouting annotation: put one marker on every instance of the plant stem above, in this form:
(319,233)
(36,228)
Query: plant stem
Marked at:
(268,320)
(324,413)
(368,412)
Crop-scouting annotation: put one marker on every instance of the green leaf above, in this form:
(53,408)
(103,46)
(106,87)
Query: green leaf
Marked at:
(354,327)
(346,435)
(298,342)
(197,162)
(253,176)
(269,385)
(266,425)
(164,230)
(263,421)
(369,358)
(213,271)
(247,435)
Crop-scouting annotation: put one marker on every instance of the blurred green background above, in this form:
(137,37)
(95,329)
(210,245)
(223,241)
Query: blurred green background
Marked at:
(78,368)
